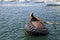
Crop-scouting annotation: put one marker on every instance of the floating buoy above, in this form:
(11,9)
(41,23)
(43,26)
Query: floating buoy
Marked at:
(35,26)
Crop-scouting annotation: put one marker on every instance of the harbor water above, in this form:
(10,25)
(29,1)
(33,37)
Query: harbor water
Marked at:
(14,18)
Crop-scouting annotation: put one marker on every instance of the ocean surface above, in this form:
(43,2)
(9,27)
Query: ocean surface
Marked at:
(13,19)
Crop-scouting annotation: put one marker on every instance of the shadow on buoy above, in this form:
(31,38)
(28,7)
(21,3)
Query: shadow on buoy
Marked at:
(35,26)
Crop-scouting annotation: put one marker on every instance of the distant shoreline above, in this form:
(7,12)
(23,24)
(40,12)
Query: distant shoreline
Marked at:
(19,4)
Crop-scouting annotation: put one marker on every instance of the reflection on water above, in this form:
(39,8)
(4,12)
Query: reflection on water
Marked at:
(35,38)
(13,19)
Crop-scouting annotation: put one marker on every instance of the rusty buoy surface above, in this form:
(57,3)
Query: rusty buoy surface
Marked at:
(35,26)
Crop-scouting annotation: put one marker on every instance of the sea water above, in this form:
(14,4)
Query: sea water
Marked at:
(13,20)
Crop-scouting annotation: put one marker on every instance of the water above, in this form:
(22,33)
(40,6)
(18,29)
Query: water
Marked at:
(13,19)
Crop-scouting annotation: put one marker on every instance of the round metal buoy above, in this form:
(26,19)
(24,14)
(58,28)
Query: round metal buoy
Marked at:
(35,26)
